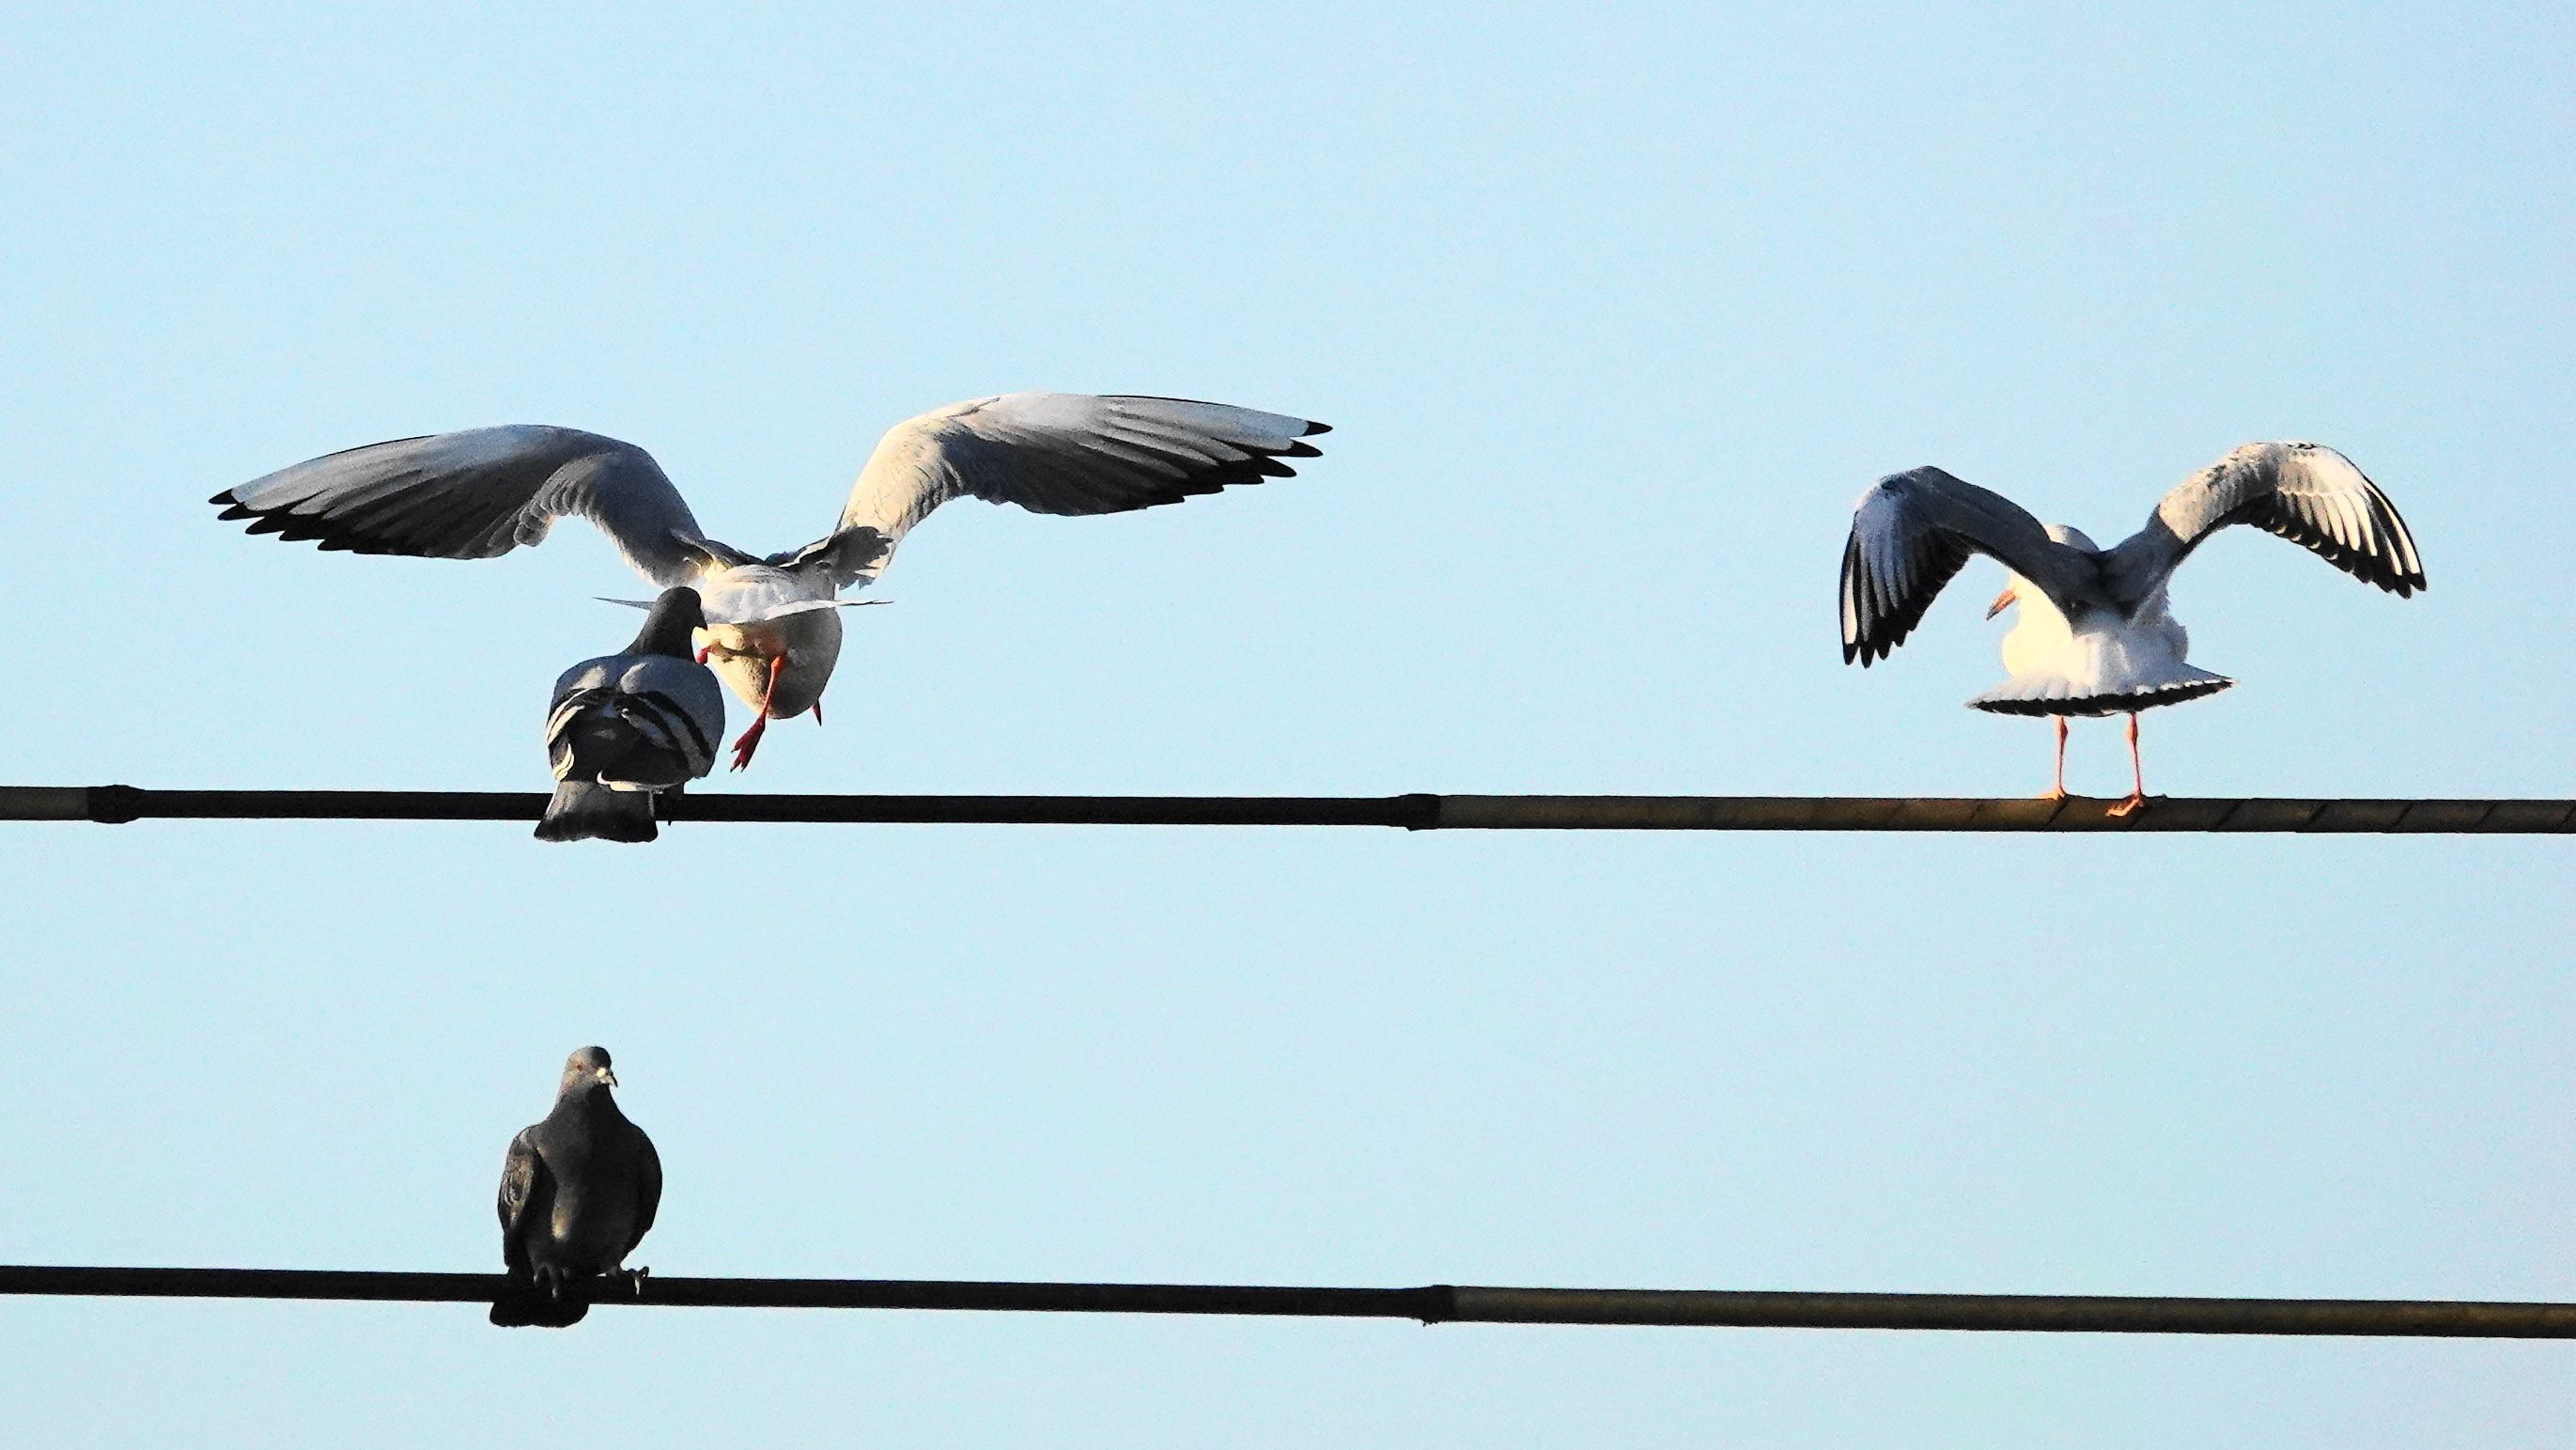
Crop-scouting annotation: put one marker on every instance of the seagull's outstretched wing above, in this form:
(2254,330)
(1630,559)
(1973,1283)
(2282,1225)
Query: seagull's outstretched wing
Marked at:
(1913,531)
(1059,453)
(2305,492)
(479,494)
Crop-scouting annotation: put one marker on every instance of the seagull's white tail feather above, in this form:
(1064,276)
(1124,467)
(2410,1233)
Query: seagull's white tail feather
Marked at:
(2048,692)
(584,810)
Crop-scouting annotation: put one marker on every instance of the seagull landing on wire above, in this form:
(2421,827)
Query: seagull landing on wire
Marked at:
(773,627)
(2094,636)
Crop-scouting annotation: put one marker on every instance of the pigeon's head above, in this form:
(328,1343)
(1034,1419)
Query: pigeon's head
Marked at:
(588,1069)
(668,623)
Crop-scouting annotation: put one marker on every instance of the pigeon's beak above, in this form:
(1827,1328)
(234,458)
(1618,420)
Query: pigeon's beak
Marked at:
(608,1077)
(2001,601)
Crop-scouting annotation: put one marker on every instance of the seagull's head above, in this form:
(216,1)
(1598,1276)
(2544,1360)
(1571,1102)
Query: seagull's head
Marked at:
(586,1069)
(2067,534)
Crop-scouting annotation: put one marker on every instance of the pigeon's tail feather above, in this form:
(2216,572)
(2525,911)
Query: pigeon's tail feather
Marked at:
(587,811)
(589,735)
(528,1304)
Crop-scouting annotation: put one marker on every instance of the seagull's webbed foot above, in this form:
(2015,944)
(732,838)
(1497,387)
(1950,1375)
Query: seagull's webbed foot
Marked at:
(2054,795)
(2134,804)
(750,741)
(635,1279)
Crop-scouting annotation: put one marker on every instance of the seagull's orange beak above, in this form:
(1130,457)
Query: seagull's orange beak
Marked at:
(2001,601)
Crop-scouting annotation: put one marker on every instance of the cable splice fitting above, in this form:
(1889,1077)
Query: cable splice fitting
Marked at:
(115,805)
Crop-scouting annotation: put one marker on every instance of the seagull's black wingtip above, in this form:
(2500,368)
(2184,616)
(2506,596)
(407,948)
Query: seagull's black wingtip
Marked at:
(1313,428)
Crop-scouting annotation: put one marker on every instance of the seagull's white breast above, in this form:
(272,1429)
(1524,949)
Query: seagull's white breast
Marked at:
(756,613)
(2040,641)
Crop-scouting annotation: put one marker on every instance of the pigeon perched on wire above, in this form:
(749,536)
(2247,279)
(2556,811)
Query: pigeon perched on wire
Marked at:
(774,626)
(578,1192)
(625,727)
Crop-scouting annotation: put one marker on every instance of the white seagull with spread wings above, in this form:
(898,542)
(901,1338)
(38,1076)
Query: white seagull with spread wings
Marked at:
(773,623)
(2094,636)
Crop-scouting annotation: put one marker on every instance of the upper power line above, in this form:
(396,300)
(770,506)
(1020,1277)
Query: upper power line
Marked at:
(116,804)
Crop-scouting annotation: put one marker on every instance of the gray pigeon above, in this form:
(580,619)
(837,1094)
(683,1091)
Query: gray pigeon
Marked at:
(577,1194)
(624,727)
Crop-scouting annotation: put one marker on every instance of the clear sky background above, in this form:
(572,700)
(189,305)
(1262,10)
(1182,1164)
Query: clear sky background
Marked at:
(1614,312)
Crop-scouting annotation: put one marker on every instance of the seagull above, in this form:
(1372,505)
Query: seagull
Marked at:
(625,727)
(773,628)
(578,1193)
(2094,636)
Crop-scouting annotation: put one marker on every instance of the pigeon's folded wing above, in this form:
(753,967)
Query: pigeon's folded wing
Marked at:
(648,1189)
(524,1184)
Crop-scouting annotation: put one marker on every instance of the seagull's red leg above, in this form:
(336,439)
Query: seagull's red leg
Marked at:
(2057,783)
(2137,773)
(702,652)
(750,740)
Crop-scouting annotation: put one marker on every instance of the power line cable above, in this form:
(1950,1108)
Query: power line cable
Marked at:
(119,804)
(1429,1304)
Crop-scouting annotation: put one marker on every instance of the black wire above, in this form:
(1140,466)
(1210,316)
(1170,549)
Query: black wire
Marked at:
(117,804)
(1430,1304)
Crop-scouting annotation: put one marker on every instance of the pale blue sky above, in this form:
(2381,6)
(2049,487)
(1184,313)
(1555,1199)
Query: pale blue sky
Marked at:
(1614,311)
